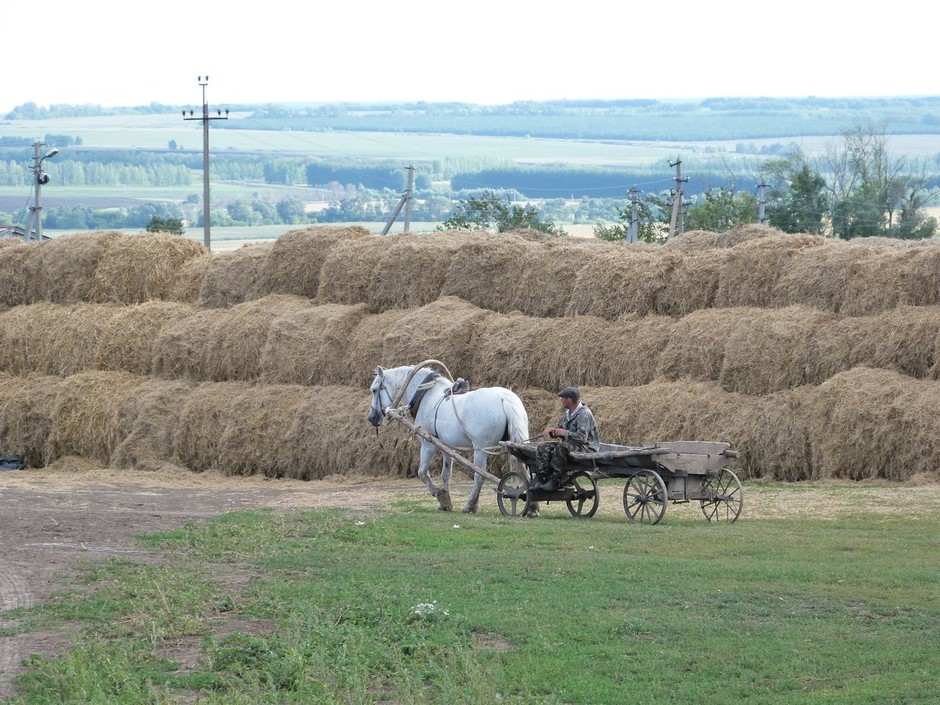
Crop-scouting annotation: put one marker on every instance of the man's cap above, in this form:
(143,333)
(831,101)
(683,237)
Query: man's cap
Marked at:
(570,393)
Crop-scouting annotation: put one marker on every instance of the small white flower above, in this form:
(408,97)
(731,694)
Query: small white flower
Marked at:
(590,548)
(456,526)
(360,523)
(426,612)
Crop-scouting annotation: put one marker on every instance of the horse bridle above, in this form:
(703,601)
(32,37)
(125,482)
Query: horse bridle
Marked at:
(380,373)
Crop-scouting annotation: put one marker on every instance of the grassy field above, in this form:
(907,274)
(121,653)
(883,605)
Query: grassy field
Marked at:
(819,594)
(155,132)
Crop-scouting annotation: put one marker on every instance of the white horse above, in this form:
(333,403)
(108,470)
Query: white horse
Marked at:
(476,420)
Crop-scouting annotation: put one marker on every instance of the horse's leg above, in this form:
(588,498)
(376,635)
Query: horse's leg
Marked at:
(479,459)
(443,494)
(428,451)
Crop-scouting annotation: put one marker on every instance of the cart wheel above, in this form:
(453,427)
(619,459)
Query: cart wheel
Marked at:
(644,497)
(725,497)
(511,494)
(586,495)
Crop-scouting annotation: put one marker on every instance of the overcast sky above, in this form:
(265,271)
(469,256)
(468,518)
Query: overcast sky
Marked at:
(484,51)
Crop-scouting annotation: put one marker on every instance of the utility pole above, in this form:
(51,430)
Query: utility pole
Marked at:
(39,178)
(634,214)
(675,224)
(205,117)
(406,201)
(761,202)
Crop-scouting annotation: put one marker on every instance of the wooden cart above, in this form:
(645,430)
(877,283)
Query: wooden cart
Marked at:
(679,471)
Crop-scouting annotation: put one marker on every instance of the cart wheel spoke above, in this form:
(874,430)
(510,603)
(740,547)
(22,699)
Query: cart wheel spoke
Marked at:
(644,497)
(586,497)
(723,497)
(512,494)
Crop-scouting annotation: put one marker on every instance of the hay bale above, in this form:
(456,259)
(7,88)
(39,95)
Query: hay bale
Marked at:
(17,286)
(23,337)
(514,350)
(85,415)
(821,276)
(697,346)
(26,412)
(128,334)
(330,436)
(181,349)
(53,339)
(692,280)
(620,353)
(625,281)
(837,347)
(64,269)
(232,277)
(872,283)
(239,335)
(219,344)
(415,267)
(284,431)
(548,276)
(146,424)
(138,268)
(365,348)
(310,344)
(773,436)
(655,412)
(485,270)
(509,352)
(904,339)
(870,423)
(189,280)
(258,438)
(444,330)
(771,351)
(294,264)
(71,343)
(203,418)
(703,239)
(920,282)
(750,274)
(358,261)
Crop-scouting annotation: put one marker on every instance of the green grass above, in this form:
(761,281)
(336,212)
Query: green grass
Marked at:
(332,608)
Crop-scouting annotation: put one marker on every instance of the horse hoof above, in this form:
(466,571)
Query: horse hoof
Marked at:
(469,510)
(443,498)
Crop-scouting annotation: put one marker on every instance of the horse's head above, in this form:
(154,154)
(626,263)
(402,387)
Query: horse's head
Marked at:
(381,398)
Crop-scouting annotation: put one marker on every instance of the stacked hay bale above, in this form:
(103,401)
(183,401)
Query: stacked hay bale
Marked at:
(814,358)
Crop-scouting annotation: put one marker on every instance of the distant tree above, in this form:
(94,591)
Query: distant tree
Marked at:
(291,210)
(490,212)
(165,225)
(801,205)
(720,209)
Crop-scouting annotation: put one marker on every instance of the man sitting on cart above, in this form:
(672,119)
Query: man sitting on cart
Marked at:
(577,430)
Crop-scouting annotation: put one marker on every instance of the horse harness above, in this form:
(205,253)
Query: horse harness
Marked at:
(459,387)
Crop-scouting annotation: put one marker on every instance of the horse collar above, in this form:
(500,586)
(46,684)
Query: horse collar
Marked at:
(423,388)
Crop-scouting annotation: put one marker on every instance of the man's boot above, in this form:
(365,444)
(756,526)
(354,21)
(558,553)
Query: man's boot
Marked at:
(549,484)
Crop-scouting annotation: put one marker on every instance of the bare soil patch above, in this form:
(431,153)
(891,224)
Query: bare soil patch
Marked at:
(50,519)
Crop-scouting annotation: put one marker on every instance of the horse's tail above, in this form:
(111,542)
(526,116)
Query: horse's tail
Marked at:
(517,419)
